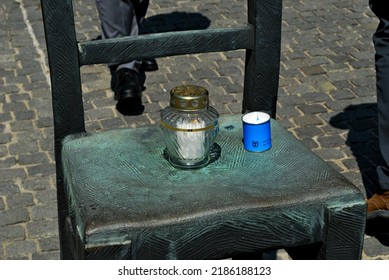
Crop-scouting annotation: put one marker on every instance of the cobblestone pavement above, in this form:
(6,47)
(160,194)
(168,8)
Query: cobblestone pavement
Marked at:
(326,98)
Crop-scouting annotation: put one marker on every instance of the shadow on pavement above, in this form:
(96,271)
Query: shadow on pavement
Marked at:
(361,122)
(383,239)
(175,21)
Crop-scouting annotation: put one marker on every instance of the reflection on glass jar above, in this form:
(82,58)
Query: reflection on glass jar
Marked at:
(189,126)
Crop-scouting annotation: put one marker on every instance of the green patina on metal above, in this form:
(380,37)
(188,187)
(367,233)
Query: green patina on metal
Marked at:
(123,191)
(119,198)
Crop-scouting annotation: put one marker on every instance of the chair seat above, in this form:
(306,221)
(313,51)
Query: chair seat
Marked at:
(121,190)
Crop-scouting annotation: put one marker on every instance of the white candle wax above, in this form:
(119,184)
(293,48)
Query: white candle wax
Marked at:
(191,143)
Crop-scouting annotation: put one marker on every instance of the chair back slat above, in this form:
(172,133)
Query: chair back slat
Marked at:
(125,49)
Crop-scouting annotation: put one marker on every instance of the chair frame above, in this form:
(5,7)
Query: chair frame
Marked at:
(66,56)
(261,38)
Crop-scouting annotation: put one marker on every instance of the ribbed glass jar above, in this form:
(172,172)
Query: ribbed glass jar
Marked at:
(189,127)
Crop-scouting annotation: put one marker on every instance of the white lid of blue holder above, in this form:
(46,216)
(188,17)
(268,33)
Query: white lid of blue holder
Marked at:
(255,118)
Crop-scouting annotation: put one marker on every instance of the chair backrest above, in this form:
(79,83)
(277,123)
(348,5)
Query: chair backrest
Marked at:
(261,38)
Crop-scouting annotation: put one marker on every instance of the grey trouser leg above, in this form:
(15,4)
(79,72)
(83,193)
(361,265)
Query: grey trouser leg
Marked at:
(381,44)
(122,18)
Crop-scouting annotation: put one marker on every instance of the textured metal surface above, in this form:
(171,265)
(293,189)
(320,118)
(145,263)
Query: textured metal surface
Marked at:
(127,201)
(122,189)
(166,44)
(262,62)
(68,109)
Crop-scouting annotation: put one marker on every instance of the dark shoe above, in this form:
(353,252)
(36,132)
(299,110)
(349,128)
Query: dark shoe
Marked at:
(141,78)
(128,92)
(112,69)
(149,64)
(377,220)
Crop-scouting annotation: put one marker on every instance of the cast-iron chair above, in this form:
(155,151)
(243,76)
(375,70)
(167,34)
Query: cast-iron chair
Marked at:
(119,199)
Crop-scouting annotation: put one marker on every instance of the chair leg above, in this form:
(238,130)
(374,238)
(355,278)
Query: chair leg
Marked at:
(67,240)
(345,232)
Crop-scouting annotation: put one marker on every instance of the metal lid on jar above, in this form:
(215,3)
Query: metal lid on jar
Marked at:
(189,98)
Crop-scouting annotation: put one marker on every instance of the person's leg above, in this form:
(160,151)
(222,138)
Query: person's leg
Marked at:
(121,18)
(141,6)
(378,204)
(381,44)
(118,19)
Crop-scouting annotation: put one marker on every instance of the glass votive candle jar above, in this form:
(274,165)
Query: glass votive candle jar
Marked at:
(189,127)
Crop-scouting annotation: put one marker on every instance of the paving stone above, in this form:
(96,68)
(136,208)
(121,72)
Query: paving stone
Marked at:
(342,94)
(25,115)
(46,196)
(8,188)
(365,90)
(44,122)
(14,107)
(34,184)
(36,158)
(373,247)
(13,216)
(288,111)
(46,144)
(351,164)
(20,200)
(42,107)
(48,244)
(5,117)
(92,126)
(231,88)
(312,109)
(308,120)
(12,232)
(4,137)
(95,114)
(235,108)
(12,174)
(20,248)
(313,70)
(113,123)
(7,162)
(330,127)
(44,212)
(26,125)
(310,143)
(42,228)
(331,141)
(308,132)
